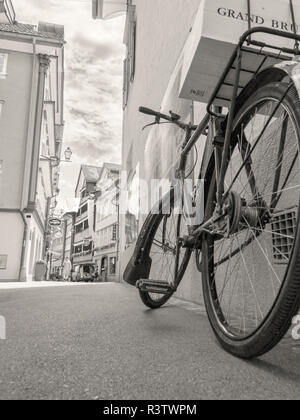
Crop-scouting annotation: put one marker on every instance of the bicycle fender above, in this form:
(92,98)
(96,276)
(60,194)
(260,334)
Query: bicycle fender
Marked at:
(139,266)
(292,69)
(135,272)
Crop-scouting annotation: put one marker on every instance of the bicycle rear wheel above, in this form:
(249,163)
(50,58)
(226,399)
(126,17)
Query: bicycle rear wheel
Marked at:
(251,277)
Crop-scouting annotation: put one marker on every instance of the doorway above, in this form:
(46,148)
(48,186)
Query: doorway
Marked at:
(104,269)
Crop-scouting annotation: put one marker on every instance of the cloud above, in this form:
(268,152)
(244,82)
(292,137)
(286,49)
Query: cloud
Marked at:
(93,81)
(97,49)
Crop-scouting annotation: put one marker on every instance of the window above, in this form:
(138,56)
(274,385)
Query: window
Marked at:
(78,228)
(87,247)
(3,262)
(3,65)
(78,249)
(86,225)
(1,107)
(82,226)
(113,266)
(84,209)
(114,233)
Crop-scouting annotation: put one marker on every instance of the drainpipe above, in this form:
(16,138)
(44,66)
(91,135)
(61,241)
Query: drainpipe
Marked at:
(22,261)
(64,244)
(44,64)
(118,242)
(50,266)
(46,227)
(72,240)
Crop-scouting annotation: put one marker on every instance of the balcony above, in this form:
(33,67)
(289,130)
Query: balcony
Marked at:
(7,11)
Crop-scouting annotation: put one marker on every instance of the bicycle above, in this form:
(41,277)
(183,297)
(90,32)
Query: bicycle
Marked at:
(250,237)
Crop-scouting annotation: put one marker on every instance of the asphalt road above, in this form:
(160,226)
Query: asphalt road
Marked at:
(99,342)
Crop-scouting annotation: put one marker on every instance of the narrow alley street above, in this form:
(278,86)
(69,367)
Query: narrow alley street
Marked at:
(99,342)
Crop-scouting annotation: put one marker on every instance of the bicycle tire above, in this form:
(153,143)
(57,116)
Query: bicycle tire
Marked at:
(287,302)
(150,230)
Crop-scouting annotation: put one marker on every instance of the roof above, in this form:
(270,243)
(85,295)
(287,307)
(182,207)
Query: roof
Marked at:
(91,173)
(49,32)
(113,167)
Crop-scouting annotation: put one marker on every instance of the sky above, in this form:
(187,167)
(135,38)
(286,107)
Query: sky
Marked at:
(94,56)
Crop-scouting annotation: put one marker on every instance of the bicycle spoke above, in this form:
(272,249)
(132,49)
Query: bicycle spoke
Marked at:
(262,250)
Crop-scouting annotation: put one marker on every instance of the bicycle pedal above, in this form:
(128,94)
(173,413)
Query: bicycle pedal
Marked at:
(155,286)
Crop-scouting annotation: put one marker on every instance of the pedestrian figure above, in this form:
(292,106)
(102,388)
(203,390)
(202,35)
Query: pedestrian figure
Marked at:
(96,275)
(67,269)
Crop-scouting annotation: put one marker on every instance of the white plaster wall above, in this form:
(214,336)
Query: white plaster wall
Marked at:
(11,240)
(15,92)
(34,247)
(162,29)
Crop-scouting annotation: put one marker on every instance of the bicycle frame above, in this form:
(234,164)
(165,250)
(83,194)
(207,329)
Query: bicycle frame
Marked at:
(286,68)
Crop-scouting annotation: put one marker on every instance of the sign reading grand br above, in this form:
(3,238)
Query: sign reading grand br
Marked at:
(217,29)
(256,20)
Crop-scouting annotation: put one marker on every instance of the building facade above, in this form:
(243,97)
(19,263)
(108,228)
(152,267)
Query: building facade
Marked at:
(60,248)
(31,93)
(107,216)
(82,240)
(88,238)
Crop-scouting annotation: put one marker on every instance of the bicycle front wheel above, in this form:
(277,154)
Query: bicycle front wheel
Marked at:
(251,276)
(169,260)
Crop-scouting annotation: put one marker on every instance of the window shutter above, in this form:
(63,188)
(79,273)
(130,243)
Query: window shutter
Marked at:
(125,83)
(3,65)
(132,51)
(114,233)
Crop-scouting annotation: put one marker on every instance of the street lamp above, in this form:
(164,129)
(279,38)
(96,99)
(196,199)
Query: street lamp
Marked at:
(68,154)
(55,161)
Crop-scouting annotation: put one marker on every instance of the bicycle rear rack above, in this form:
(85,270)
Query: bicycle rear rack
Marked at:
(236,64)
(240,70)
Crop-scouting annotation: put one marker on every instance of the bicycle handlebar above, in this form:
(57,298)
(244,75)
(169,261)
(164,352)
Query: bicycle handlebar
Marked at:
(173,118)
(148,111)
